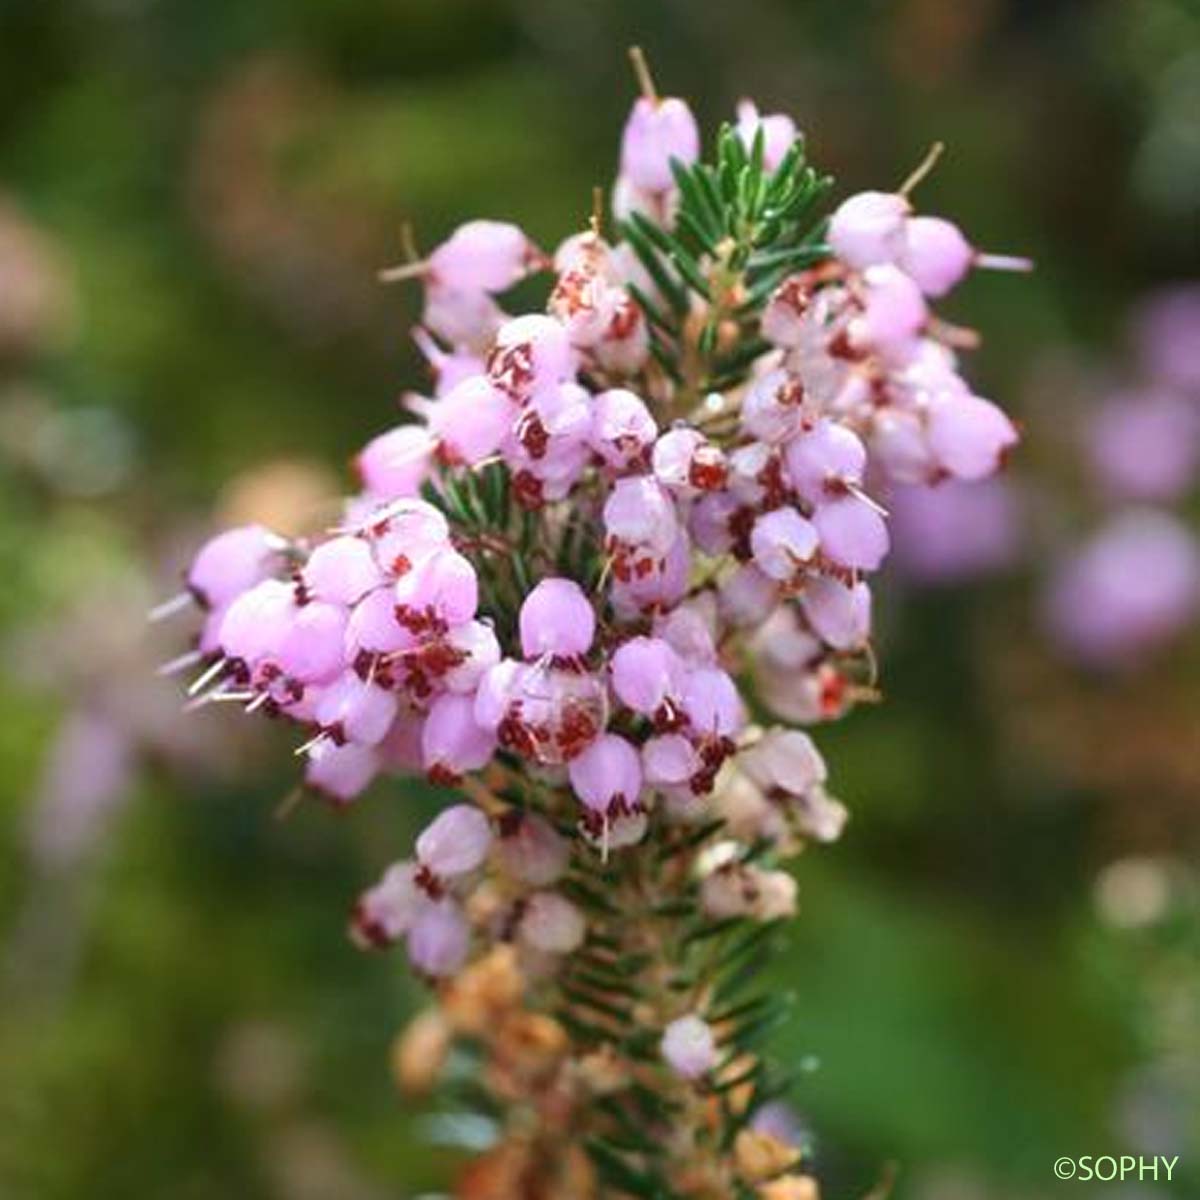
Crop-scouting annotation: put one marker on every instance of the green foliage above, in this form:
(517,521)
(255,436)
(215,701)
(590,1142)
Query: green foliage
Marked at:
(739,231)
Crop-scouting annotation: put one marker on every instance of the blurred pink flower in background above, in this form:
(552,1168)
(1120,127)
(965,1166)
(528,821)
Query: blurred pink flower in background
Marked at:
(1166,331)
(956,531)
(1126,591)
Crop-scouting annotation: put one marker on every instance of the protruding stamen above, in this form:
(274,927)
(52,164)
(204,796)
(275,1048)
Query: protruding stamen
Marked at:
(641,70)
(216,696)
(403,271)
(596,222)
(212,673)
(168,608)
(311,744)
(869,501)
(288,804)
(1004,262)
(408,242)
(957,337)
(923,168)
(192,658)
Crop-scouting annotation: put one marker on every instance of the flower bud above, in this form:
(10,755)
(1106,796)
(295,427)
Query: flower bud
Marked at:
(778,132)
(689,1048)
(761,1156)
(656,132)
(475,651)
(552,924)
(420,1052)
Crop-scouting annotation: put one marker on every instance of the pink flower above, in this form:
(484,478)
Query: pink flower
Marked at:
(341,772)
(342,570)
(869,228)
(557,619)
(396,463)
(852,532)
(471,421)
(232,563)
(607,775)
(484,256)
(656,132)
(689,1048)
(778,132)
(645,673)
(456,842)
(968,435)
(439,939)
(452,743)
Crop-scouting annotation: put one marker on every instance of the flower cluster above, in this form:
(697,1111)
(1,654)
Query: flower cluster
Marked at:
(622,538)
(1106,525)
(1132,584)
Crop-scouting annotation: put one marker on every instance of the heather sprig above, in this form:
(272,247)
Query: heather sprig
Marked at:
(601,582)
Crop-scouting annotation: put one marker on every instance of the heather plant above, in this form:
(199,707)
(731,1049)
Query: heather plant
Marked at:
(603,583)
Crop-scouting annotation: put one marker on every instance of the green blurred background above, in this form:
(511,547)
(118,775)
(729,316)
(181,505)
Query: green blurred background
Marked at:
(1000,963)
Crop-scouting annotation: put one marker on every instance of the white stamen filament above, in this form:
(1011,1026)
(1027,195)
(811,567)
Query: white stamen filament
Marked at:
(183,662)
(311,744)
(212,673)
(923,168)
(168,608)
(402,272)
(869,501)
(1003,262)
